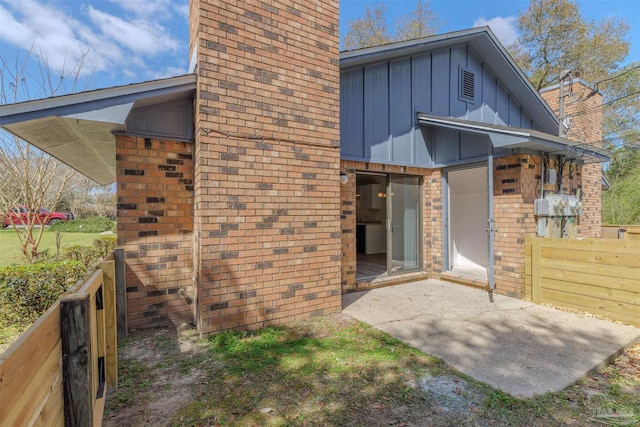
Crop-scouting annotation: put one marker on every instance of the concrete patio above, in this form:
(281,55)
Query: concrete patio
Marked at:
(513,345)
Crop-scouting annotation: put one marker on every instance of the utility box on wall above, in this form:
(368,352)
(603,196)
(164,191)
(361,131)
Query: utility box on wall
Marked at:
(558,215)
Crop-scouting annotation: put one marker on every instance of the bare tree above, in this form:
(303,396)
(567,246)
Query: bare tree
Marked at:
(31,178)
(78,195)
(370,30)
(105,201)
(421,22)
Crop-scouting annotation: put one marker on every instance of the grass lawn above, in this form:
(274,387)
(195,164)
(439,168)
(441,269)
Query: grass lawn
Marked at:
(10,246)
(334,371)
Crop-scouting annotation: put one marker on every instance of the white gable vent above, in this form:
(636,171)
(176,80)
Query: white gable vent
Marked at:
(467,85)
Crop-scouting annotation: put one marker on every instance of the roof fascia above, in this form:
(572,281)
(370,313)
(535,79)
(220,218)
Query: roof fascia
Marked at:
(352,58)
(81,102)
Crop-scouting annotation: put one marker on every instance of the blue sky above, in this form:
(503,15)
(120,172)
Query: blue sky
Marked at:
(127,41)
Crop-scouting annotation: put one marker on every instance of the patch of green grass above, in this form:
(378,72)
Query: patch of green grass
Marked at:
(10,246)
(328,372)
(331,376)
(618,400)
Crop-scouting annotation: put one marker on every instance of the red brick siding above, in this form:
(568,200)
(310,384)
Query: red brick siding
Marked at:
(267,215)
(155,223)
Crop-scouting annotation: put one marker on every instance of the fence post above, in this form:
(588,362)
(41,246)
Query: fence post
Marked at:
(621,232)
(121,294)
(77,367)
(109,293)
(536,278)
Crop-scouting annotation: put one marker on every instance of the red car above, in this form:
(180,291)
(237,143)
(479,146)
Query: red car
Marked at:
(20,215)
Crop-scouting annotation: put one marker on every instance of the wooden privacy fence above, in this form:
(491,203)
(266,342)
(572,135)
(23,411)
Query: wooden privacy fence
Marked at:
(631,232)
(599,276)
(58,371)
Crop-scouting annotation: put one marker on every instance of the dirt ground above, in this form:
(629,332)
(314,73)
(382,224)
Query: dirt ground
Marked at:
(165,387)
(165,370)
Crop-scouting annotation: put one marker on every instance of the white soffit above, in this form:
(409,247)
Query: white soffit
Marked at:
(77,129)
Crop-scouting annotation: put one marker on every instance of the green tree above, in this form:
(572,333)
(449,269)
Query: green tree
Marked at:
(372,29)
(621,203)
(554,37)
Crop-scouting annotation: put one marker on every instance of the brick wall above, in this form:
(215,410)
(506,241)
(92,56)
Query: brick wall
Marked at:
(433,238)
(516,181)
(585,115)
(155,223)
(267,215)
(348,227)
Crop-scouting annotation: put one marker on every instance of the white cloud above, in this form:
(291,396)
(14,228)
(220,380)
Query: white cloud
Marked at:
(47,32)
(504,27)
(103,42)
(182,9)
(139,36)
(147,8)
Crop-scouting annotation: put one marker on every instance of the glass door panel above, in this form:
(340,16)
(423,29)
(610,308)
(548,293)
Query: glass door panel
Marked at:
(403,224)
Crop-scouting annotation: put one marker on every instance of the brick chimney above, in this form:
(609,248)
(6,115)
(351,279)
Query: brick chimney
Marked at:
(266,181)
(583,108)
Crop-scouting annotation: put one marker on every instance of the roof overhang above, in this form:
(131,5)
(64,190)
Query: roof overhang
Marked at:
(78,129)
(521,139)
(484,42)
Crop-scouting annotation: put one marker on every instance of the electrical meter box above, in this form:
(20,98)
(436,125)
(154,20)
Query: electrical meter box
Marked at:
(558,205)
(557,215)
(541,207)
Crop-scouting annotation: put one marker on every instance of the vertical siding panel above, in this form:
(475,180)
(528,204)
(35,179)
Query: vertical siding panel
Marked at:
(473,146)
(458,108)
(447,146)
(502,105)
(515,113)
(400,112)
(475,109)
(421,83)
(423,141)
(489,94)
(421,99)
(376,113)
(352,113)
(440,82)
(526,120)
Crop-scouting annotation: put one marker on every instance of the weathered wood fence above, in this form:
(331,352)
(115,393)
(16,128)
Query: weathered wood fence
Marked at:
(58,371)
(598,276)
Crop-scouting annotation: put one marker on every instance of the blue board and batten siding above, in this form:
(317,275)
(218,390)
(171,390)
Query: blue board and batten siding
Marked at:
(379,103)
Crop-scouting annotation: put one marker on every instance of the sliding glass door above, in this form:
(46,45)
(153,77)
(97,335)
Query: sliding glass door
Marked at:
(404,231)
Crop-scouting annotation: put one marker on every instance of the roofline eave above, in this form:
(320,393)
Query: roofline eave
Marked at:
(101,98)
(552,143)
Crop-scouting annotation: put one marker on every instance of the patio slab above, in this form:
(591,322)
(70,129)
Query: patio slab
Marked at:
(516,346)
